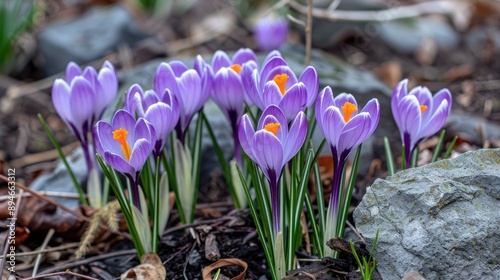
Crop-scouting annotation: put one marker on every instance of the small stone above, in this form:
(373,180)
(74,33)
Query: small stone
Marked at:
(412,275)
(194,258)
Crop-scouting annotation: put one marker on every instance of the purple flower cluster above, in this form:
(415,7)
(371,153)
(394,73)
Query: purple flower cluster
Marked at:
(418,114)
(148,117)
(81,98)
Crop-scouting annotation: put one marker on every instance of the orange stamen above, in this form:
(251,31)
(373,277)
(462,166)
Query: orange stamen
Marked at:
(236,68)
(280,80)
(120,135)
(273,128)
(348,108)
(423,108)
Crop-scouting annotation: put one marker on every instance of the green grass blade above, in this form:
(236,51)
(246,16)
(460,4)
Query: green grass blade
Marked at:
(389,157)
(439,146)
(52,138)
(450,148)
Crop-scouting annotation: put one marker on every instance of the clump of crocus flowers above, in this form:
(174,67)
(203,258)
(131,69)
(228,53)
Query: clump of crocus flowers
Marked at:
(271,113)
(418,115)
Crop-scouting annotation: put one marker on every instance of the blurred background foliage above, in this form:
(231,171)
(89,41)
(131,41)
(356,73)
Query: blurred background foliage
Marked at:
(15,17)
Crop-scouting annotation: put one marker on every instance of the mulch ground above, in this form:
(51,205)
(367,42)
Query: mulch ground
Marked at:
(471,72)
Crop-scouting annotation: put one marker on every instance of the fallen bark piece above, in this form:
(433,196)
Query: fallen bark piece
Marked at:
(207,271)
(151,268)
(212,252)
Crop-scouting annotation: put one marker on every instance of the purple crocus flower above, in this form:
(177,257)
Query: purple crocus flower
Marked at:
(82,97)
(344,128)
(272,146)
(161,111)
(191,87)
(276,84)
(418,114)
(125,144)
(104,83)
(270,33)
(229,89)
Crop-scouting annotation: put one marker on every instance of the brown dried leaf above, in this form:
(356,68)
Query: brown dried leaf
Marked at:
(206,273)
(151,268)
(390,72)
(458,73)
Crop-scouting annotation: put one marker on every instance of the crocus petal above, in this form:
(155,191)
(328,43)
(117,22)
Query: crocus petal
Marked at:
(294,100)
(159,115)
(165,78)
(149,98)
(72,70)
(190,94)
(108,85)
(310,79)
(228,91)
(410,118)
(123,119)
(82,101)
(255,93)
(178,67)
(333,124)
(140,153)
(245,135)
(243,56)
(103,138)
(119,163)
(277,113)
(144,130)
(268,151)
(272,63)
(436,121)
(342,98)
(61,93)
(271,33)
(270,55)
(271,94)
(325,99)
(354,133)
(296,137)
(292,79)
(133,100)
(441,95)
(373,109)
(220,60)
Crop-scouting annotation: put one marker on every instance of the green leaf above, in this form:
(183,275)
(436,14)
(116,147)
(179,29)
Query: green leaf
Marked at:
(94,190)
(279,257)
(439,146)
(141,223)
(389,157)
(164,204)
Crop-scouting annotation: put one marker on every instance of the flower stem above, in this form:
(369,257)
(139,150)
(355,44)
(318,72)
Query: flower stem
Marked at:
(134,186)
(273,186)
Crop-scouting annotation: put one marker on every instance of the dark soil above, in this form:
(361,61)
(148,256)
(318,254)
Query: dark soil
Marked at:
(471,72)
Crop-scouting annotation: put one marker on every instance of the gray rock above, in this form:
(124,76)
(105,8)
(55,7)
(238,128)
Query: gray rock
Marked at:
(87,38)
(60,182)
(420,28)
(441,219)
(396,34)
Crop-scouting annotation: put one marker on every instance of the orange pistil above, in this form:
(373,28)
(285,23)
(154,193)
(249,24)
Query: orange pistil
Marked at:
(280,80)
(423,108)
(348,108)
(273,128)
(120,135)
(236,68)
